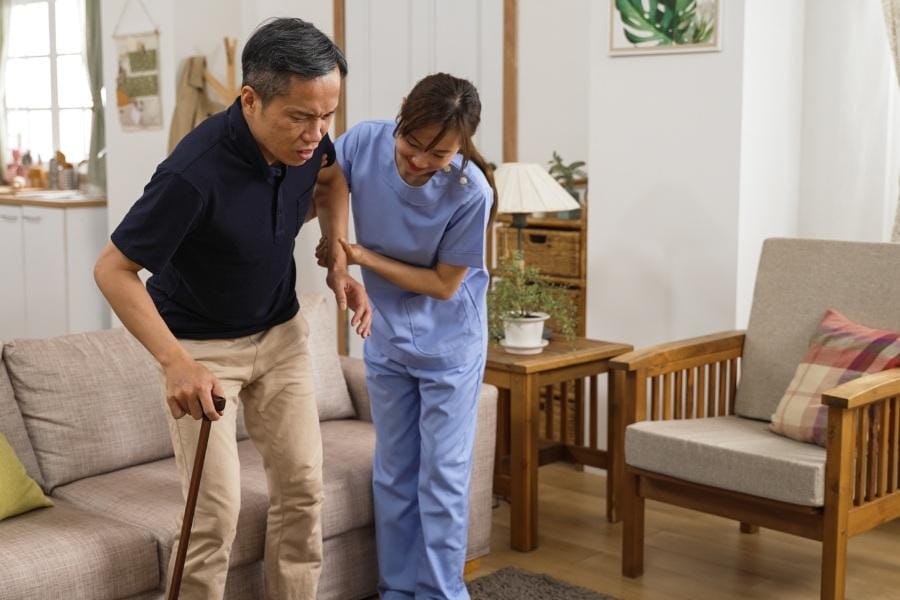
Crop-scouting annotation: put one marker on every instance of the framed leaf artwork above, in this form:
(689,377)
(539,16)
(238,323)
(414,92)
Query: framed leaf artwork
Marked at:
(664,26)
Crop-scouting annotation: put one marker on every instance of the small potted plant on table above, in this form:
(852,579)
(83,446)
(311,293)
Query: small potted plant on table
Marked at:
(519,303)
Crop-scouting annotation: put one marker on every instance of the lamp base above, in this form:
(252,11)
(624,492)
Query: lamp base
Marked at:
(519,221)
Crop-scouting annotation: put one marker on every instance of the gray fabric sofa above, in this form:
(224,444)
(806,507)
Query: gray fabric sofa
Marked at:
(85,415)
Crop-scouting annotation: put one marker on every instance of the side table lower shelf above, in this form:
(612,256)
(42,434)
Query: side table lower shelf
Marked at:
(564,367)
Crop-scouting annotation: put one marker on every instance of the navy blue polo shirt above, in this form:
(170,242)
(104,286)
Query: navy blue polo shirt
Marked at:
(216,227)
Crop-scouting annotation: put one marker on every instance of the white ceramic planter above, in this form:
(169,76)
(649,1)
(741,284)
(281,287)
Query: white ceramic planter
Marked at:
(524,335)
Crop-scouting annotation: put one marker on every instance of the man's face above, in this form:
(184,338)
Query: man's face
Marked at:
(289,128)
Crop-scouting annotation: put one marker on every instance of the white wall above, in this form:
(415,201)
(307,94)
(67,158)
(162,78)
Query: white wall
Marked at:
(253,12)
(665,157)
(850,97)
(892,183)
(771,126)
(554,81)
(391,44)
(132,156)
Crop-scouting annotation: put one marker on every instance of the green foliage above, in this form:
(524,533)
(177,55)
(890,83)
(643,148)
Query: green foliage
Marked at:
(664,22)
(519,291)
(566,174)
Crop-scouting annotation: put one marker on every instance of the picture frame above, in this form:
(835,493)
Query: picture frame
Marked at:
(638,27)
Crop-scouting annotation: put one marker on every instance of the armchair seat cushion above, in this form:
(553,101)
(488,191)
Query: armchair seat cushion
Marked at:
(731,453)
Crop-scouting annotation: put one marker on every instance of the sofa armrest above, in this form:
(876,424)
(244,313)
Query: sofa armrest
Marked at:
(355,374)
(481,491)
(674,352)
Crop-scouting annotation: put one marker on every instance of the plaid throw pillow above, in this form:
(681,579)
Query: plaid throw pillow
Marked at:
(840,351)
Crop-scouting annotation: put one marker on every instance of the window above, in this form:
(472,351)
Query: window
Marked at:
(48,98)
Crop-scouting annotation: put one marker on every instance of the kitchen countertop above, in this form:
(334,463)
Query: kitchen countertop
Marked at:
(49,198)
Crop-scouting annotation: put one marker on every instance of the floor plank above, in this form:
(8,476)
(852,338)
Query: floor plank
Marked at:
(688,555)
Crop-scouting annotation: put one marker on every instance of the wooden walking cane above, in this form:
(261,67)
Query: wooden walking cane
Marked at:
(188,520)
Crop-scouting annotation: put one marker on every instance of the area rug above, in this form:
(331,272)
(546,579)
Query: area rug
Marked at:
(511,583)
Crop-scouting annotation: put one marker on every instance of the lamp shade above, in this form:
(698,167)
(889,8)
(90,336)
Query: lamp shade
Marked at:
(527,188)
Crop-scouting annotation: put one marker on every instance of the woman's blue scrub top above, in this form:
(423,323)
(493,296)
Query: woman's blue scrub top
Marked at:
(444,221)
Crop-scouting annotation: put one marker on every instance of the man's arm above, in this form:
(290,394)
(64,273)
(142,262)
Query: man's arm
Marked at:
(332,206)
(189,385)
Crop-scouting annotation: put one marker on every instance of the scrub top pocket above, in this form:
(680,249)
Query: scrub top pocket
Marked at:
(440,327)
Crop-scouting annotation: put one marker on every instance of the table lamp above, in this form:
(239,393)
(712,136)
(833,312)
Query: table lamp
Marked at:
(524,188)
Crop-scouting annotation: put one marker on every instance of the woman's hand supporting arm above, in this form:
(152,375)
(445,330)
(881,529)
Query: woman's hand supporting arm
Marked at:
(440,283)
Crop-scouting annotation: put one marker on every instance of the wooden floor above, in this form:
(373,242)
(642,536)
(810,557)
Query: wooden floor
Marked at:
(688,555)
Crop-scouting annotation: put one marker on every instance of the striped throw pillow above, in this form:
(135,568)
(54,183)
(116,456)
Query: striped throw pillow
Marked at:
(840,351)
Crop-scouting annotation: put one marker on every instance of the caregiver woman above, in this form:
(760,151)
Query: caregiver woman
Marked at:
(422,199)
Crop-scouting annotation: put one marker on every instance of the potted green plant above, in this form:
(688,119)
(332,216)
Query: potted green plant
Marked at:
(519,303)
(568,175)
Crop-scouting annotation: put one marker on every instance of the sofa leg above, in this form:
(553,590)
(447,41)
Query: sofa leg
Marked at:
(749,528)
(632,509)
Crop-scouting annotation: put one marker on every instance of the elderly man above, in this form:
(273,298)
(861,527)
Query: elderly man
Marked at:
(216,227)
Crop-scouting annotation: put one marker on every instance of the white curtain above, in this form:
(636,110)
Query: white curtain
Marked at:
(892,19)
(5,6)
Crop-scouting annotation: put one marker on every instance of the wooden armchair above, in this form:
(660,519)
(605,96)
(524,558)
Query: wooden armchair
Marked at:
(694,414)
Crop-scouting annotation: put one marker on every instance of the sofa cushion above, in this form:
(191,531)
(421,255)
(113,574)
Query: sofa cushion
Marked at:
(65,552)
(840,351)
(149,495)
(731,453)
(18,492)
(332,396)
(349,449)
(13,427)
(90,402)
(797,281)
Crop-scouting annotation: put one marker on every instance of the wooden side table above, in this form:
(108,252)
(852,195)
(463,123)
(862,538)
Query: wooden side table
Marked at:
(520,380)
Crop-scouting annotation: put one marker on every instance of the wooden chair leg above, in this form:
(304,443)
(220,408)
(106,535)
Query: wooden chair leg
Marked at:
(472,566)
(749,528)
(838,486)
(632,510)
(834,564)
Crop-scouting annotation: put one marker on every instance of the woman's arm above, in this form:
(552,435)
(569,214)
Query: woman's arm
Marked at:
(440,283)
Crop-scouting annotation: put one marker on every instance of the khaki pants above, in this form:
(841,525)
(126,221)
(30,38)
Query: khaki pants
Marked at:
(269,373)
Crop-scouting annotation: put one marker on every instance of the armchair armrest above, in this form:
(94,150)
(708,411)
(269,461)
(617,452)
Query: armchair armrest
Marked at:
(864,390)
(355,374)
(673,352)
(861,446)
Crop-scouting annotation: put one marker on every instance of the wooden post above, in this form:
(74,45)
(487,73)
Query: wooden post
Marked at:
(510,80)
(524,463)
(340,126)
(838,468)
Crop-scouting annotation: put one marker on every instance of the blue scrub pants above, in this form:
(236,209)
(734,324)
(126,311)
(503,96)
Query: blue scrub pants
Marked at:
(425,430)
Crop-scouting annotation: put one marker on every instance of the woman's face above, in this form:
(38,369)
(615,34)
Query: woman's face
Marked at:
(416,165)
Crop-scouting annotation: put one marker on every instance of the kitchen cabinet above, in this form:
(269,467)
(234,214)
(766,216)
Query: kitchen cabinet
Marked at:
(47,254)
